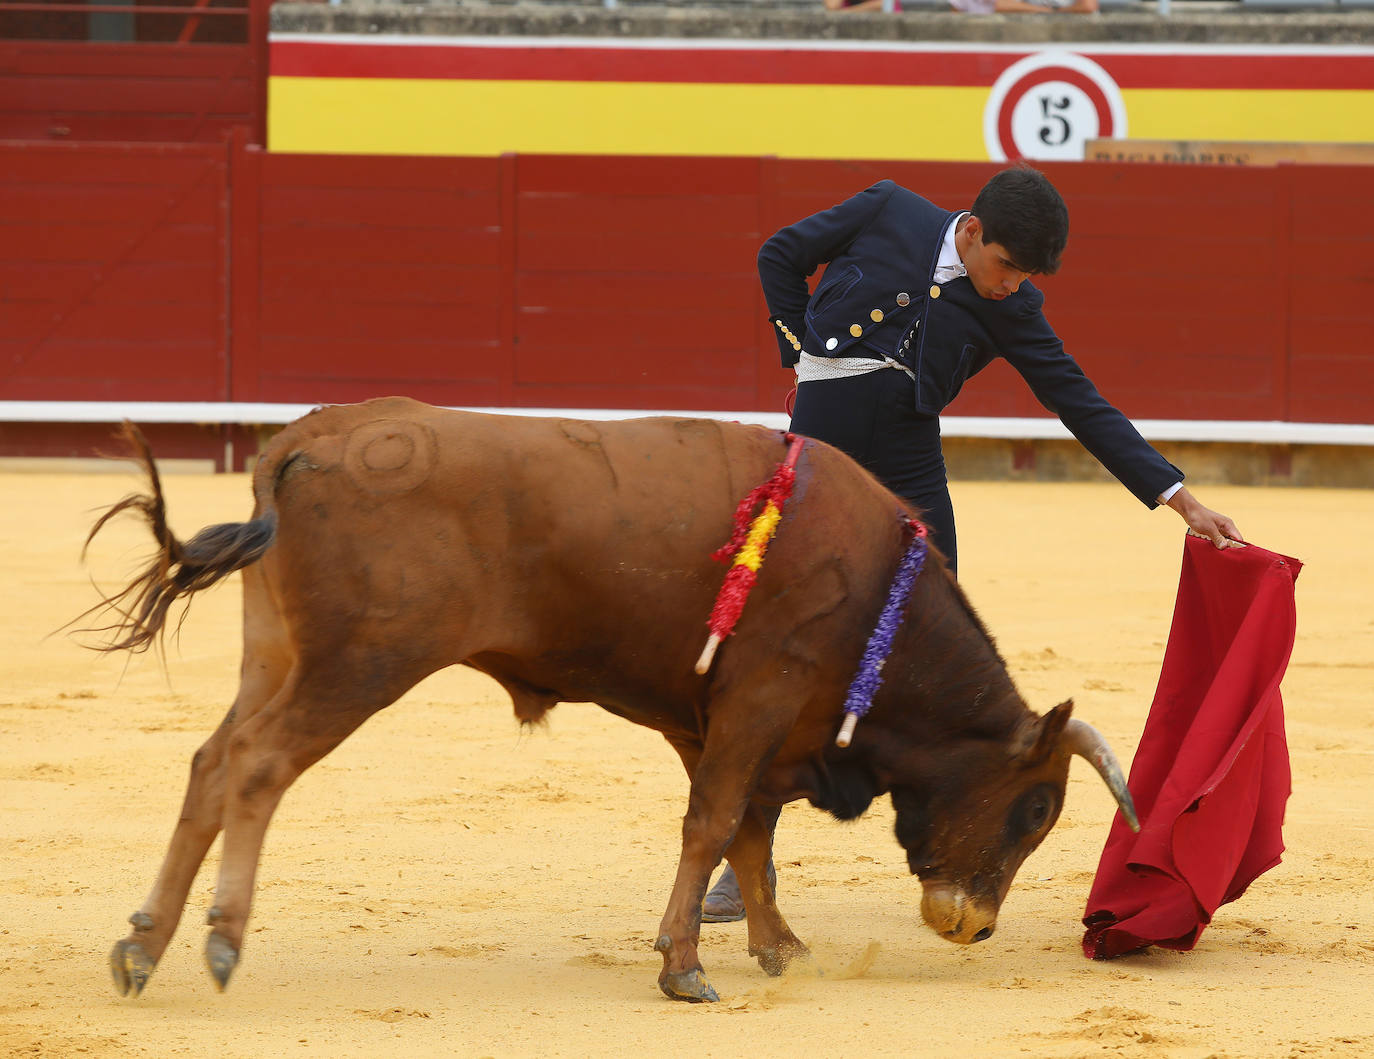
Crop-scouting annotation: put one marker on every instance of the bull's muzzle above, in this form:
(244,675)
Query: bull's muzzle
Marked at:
(953,914)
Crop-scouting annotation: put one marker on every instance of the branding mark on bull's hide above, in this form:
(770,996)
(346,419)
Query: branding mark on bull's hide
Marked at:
(588,436)
(390,457)
(581,432)
(694,430)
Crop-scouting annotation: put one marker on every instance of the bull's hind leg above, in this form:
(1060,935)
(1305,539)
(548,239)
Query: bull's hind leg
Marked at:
(265,666)
(312,715)
(135,956)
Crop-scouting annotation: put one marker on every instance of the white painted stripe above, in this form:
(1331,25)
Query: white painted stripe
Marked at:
(208,412)
(1274,432)
(1027,428)
(723,44)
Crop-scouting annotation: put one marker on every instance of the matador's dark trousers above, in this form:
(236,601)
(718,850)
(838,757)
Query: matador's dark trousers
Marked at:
(873,418)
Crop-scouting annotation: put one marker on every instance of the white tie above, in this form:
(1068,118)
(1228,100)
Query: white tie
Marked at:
(945,273)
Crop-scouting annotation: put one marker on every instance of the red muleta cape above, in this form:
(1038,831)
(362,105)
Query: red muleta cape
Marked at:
(1210,778)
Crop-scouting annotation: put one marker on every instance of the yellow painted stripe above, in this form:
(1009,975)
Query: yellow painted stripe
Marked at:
(387,116)
(1325,116)
(938,123)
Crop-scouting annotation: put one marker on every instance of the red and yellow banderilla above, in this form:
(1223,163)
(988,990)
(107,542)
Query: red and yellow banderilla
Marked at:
(748,546)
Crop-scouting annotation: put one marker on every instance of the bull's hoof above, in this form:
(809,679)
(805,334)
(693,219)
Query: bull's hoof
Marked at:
(131,967)
(222,958)
(690,986)
(776,960)
(773,961)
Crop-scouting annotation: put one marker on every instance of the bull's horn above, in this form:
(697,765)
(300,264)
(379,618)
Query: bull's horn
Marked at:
(1085,741)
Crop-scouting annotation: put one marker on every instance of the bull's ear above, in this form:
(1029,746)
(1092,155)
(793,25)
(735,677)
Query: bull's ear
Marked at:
(1041,735)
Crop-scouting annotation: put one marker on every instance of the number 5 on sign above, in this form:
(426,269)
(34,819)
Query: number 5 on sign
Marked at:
(1047,106)
(1055,128)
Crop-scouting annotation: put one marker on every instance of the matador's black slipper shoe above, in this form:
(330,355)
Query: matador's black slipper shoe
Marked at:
(723,904)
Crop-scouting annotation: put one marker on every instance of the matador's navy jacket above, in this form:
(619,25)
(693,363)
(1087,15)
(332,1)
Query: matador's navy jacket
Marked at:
(878,298)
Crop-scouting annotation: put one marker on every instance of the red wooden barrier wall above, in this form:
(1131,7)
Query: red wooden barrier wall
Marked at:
(186,73)
(165,93)
(636,284)
(112,271)
(225,273)
(1330,297)
(362,276)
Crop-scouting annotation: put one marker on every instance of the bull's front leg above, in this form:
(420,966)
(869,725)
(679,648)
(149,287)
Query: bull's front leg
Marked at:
(713,814)
(771,940)
(724,773)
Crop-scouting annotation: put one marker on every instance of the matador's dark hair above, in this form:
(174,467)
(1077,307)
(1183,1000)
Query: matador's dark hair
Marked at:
(1021,210)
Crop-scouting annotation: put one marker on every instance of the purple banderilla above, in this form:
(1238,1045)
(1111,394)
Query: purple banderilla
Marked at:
(870,675)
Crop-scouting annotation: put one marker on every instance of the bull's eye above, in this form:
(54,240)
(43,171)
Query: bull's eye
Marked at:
(1032,811)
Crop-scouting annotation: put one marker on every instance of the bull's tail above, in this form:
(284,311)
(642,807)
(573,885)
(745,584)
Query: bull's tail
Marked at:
(178,570)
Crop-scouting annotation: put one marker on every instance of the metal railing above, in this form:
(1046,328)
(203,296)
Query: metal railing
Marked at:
(112,20)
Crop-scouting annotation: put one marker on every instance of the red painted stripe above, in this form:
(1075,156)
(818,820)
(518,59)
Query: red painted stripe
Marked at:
(799,66)
(697,65)
(1284,72)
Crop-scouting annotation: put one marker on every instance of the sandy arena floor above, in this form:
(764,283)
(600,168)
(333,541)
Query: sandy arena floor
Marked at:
(445,884)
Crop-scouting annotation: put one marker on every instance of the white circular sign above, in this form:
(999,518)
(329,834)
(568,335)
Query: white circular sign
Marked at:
(1046,107)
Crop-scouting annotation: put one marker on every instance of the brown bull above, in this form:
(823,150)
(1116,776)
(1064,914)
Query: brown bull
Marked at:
(571,561)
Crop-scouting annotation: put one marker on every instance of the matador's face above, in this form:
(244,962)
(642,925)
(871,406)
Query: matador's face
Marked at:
(991,269)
